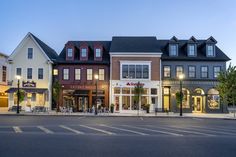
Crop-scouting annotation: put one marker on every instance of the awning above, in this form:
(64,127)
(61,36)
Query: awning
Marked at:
(28,90)
(81,92)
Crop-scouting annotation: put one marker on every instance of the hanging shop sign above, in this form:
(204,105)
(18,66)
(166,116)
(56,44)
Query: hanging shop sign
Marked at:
(29,84)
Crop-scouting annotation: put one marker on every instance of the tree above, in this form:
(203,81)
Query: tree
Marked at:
(227,85)
(138,92)
(56,93)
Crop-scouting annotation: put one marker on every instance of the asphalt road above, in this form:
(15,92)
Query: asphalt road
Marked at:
(61,136)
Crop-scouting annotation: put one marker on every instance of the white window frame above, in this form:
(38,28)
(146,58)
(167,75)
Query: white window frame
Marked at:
(69,52)
(89,74)
(100,52)
(170,50)
(83,50)
(66,72)
(190,46)
(213,51)
(101,74)
(77,73)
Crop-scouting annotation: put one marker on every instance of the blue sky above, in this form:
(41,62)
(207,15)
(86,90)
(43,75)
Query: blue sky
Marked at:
(57,21)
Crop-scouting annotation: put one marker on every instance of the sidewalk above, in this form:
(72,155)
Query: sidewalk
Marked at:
(142,114)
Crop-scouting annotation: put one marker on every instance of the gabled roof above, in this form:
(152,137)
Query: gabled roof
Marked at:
(3,54)
(134,44)
(49,53)
(174,40)
(76,44)
(192,40)
(211,40)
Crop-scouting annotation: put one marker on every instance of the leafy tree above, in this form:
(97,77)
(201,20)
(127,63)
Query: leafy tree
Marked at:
(21,95)
(138,92)
(56,93)
(227,85)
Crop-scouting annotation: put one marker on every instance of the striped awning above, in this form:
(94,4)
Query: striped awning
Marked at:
(28,90)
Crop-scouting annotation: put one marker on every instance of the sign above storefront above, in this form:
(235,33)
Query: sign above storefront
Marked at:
(134,84)
(28,84)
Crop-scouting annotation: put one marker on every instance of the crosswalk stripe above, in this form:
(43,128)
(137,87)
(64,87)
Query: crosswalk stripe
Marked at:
(100,130)
(158,131)
(17,129)
(186,131)
(70,129)
(45,130)
(122,129)
(213,131)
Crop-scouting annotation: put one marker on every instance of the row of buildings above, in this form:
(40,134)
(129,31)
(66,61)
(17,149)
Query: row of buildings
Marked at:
(120,64)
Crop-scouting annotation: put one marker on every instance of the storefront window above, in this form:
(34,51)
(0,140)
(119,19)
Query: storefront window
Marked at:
(153,91)
(213,99)
(144,102)
(125,102)
(116,90)
(145,91)
(186,98)
(134,105)
(125,90)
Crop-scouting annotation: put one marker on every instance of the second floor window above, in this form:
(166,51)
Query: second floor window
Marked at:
(89,74)
(216,71)
(191,71)
(191,50)
(101,73)
(98,52)
(179,70)
(210,50)
(133,71)
(83,52)
(77,74)
(204,72)
(69,52)
(65,74)
(55,72)
(173,50)
(40,73)
(29,73)
(4,74)
(166,71)
(30,53)
(18,71)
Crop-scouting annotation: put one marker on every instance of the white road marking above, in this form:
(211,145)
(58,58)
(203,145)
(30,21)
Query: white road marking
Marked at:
(122,129)
(17,129)
(158,131)
(45,130)
(100,130)
(70,129)
(213,131)
(186,131)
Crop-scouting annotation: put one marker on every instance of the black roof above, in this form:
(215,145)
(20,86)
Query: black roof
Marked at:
(105,57)
(134,44)
(182,51)
(48,50)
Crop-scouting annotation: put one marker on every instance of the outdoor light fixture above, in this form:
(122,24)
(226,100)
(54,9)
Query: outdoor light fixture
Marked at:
(18,77)
(96,99)
(181,77)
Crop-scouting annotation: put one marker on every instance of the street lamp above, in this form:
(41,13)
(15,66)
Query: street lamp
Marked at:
(181,77)
(18,77)
(96,109)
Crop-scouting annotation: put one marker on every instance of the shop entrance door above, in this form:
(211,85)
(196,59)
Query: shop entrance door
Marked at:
(82,103)
(197,101)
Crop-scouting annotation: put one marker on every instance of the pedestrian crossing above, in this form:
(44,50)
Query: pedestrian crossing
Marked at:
(122,130)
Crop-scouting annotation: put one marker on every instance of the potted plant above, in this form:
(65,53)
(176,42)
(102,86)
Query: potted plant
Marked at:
(147,106)
(112,108)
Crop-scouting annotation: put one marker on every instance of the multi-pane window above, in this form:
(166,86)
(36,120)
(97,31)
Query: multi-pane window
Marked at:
(69,52)
(65,74)
(133,71)
(18,71)
(173,50)
(216,71)
(191,71)
(84,52)
(101,73)
(210,50)
(89,74)
(29,73)
(4,74)
(191,50)
(40,73)
(30,53)
(166,70)
(204,71)
(77,74)
(98,52)
(179,71)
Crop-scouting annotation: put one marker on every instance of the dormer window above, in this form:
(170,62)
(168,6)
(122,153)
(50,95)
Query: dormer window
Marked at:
(210,51)
(98,52)
(173,50)
(191,50)
(69,52)
(83,52)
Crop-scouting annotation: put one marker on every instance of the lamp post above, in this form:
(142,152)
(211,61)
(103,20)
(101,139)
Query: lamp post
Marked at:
(18,94)
(181,77)
(96,108)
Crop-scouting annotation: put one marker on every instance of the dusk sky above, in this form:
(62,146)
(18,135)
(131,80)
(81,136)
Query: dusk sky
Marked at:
(57,21)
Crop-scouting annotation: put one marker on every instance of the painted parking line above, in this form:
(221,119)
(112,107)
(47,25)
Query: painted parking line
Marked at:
(17,129)
(47,131)
(157,131)
(185,131)
(70,129)
(99,130)
(122,129)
